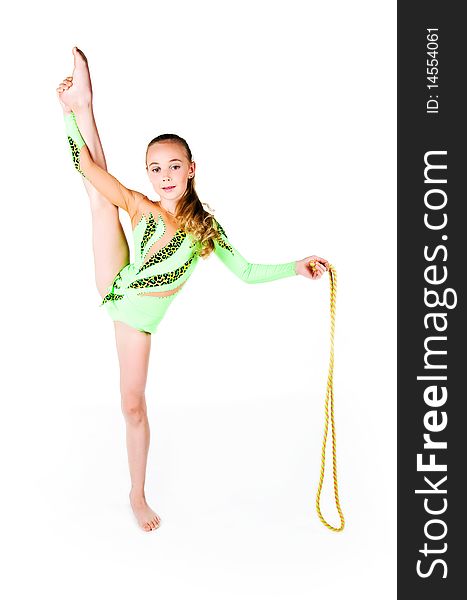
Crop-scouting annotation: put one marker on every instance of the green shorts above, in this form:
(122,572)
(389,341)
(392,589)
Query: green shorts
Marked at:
(142,312)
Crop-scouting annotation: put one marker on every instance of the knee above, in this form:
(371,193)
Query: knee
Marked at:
(133,406)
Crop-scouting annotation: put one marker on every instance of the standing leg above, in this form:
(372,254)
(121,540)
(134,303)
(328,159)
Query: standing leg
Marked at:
(111,253)
(133,348)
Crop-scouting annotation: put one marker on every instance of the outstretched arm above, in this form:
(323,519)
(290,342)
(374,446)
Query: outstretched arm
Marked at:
(260,273)
(246,271)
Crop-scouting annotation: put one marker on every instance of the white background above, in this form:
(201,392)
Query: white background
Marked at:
(289,109)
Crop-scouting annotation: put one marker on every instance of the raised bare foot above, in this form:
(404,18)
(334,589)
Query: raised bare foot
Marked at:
(146,517)
(75,92)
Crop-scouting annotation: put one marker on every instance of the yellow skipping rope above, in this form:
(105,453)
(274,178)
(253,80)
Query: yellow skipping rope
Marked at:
(329,410)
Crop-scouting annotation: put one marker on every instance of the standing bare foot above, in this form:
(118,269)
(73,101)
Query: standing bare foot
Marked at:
(146,517)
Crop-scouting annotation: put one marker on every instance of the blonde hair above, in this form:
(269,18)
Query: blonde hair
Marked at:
(190,212)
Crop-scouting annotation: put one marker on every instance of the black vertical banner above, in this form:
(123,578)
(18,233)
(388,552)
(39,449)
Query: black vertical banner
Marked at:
(432,270)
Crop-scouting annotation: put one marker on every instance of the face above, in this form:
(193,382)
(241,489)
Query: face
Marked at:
(168,167)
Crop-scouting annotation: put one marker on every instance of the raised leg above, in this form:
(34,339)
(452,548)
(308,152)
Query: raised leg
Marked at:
(111,253)
(133,348)
(110,245)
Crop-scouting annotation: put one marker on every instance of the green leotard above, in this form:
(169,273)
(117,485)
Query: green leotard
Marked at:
(165,257)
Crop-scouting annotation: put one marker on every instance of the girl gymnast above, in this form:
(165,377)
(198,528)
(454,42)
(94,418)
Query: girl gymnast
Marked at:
(169,236)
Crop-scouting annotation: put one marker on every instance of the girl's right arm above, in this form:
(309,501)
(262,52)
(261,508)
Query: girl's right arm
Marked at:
(104,183)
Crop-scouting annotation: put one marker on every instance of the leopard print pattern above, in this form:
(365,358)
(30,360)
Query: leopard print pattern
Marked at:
(220,241)
(148,232)
(117,280)
(166,251)
(111,297)
(221,229)
(223,244)
(75,154)
(162,278)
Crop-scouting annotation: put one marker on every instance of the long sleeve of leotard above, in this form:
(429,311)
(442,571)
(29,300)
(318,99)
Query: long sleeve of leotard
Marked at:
(103,181)
(246,271)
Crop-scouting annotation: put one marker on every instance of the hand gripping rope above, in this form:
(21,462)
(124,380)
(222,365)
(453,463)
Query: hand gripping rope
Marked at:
(329,408)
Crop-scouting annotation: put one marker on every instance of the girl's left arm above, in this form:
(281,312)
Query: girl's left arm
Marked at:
(245,270)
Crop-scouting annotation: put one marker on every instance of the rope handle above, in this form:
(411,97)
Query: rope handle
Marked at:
(329,409)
